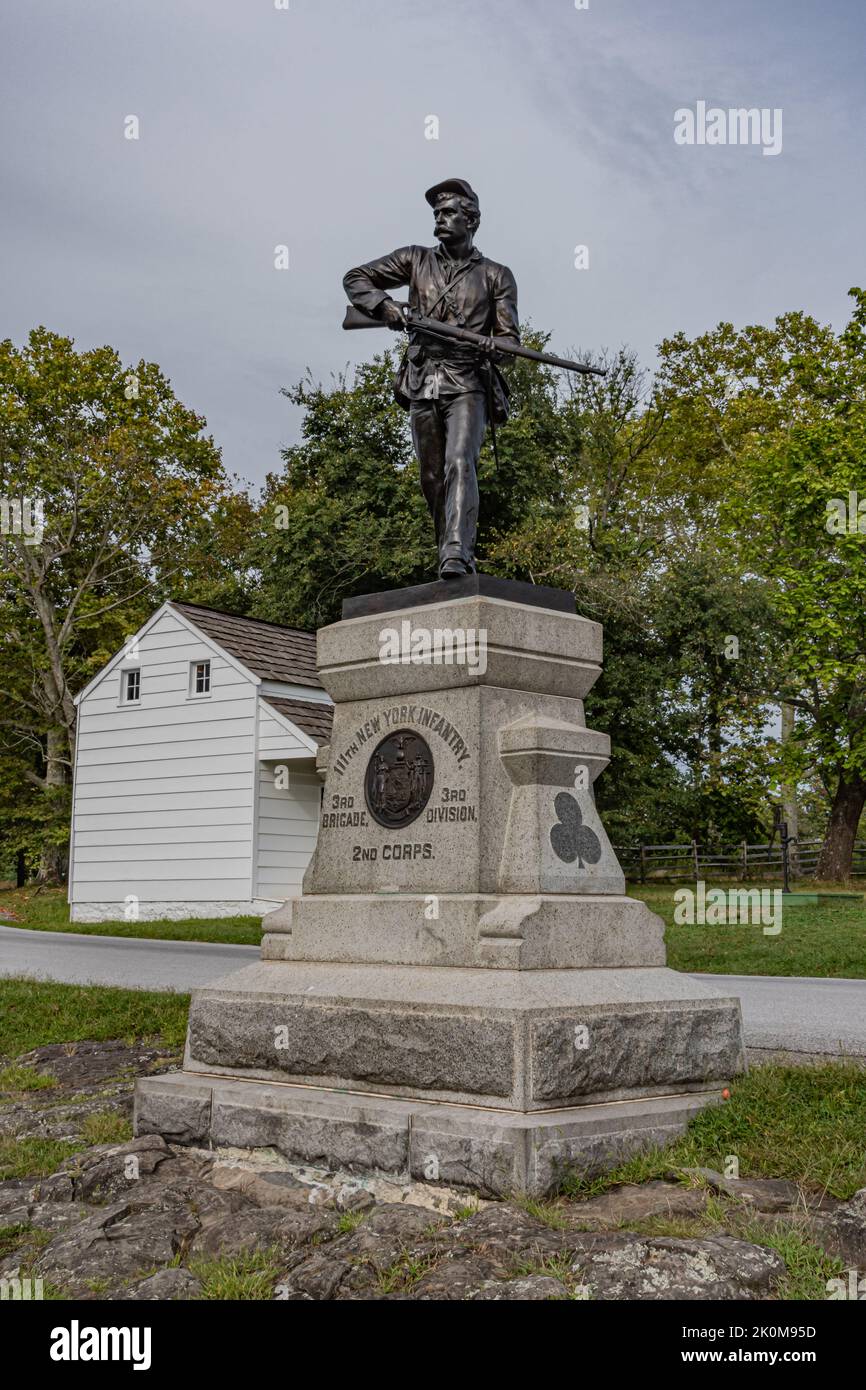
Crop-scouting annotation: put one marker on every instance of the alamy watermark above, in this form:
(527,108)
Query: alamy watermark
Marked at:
(720,907)
(23,516)
(852,1286)
(436,646)
(77,1343)
(846,516)
(736,125)
(15,1289)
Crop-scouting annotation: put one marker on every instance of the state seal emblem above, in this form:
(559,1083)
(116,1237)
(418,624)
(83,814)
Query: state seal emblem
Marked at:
(399,779)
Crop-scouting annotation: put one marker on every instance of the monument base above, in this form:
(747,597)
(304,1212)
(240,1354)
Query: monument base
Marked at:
(497,1153)
(463,993)
(520,1040)
(501,1080)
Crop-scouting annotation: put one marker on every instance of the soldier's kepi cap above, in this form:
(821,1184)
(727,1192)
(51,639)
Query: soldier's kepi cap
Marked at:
(451,186)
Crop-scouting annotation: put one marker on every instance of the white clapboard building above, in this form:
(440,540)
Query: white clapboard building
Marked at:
(195,790)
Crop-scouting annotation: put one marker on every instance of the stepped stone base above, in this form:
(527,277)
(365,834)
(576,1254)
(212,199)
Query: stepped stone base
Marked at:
(503,1080)
(494,1152)
(507,1039)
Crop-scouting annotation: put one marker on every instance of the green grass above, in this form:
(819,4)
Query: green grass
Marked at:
(561,1267)
(247,1277)
(22,1240)
(463,1213)
(36,1012)
(805,1124)
(405,1272)
(350,1221)
(807,1267)
(827,941)
(98,1286)
(34,1158)
(106,1127)
(551,1214)
(26,1243)
(19,1078)
(48,910)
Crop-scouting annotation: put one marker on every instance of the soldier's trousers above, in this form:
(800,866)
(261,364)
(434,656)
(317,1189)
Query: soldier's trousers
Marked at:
(448,434)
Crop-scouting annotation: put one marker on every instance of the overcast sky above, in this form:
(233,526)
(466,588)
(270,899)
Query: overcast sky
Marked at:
(262,126)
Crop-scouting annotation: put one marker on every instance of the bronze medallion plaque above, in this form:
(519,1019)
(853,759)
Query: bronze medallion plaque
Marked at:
(399,779)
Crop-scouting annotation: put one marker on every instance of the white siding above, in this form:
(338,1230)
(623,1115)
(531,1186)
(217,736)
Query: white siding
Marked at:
(275,741)
(164,798)
(287,828)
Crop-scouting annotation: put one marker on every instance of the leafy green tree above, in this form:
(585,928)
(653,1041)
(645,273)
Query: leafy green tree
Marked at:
(346,513)
(30,819)
(127,486)
(819,599)
(778,418)
(716,626)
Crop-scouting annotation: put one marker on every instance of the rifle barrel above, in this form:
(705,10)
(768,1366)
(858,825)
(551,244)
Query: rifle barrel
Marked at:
(356,318)
(505,345)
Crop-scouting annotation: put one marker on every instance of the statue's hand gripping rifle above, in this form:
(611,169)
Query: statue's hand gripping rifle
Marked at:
(356,318)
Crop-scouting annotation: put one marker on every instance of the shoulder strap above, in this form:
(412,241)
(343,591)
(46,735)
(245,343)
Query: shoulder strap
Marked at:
(449,287)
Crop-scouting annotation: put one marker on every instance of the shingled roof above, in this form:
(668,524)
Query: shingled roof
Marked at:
(270,651)
(314,717)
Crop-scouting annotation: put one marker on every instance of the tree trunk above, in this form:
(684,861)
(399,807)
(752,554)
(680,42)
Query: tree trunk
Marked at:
(53,859)
(835,859)
(789,797)
(54,863)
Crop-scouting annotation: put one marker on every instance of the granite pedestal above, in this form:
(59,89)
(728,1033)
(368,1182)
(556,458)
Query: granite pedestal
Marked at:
(463,992)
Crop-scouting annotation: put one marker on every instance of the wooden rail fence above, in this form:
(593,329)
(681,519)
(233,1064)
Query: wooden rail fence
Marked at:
(690,860)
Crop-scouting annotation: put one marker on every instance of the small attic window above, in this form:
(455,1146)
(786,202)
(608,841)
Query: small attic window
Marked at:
(199,678)
(131,687)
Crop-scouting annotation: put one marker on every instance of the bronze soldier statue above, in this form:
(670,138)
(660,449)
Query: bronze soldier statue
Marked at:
(452,389)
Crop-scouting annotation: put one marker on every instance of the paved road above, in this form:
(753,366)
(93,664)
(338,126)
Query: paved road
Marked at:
(779,1012)
(799,1014)
(132,962)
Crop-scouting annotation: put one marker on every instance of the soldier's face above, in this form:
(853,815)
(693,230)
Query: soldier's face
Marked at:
(450,222)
